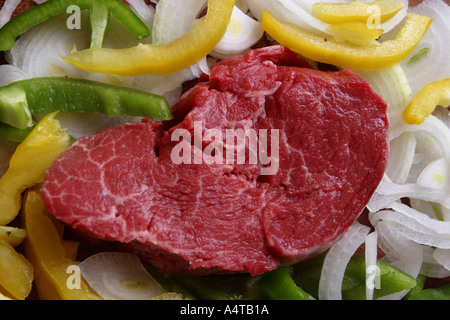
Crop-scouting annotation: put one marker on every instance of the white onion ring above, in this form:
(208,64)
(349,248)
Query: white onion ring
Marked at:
(7,10)
(336,260)
(121,276)
(436,64)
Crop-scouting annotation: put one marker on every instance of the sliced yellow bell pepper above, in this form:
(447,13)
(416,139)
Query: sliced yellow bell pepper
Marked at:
(335,13)
(423,104)
(29,162)
(16,273)
(44,249)
(347,55)
(354,32)
(160,58)
(3,297)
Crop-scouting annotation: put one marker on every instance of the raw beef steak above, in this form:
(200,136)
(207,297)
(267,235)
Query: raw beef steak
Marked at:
(178,196)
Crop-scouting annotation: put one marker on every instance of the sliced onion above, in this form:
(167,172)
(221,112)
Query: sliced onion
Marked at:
(391,84)
(7,10)
(242,33)
(9,74)
(174,19)
(435,175)
(426,207)
(396,247)
(395,21)
(388,192)
(288,11)
(442,256)
(401,156)
(119,276)
(434,65)
(416,226)
(336,260)
(431,267)
(38,51)
(400,252)
(433,137)
(433,142)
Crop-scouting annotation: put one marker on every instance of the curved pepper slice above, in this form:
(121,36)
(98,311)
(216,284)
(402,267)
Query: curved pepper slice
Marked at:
(29,162)
(422,105)
(334,13)
(99,16)
(160,58)
(16,272)
(20,99)
(45,250)
(346,55)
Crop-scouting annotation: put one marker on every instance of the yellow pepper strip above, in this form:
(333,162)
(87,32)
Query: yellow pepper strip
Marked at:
(11,235)
(70,248)
(3,297)
(354,32)
(16,273)
(347,55)
(44,249)
(29,162)
(422,105)
(335,13)
(160,58)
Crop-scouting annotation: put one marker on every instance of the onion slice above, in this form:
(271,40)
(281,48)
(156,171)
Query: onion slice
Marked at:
(9,74)
(288,11)
(431,267)
(242,33)
(336,260)
(119,276)
(391,84)
(7,10)
(430,60)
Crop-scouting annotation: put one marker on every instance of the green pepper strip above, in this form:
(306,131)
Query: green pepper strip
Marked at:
(99,17)
(440,293)
(307,275)
(48,94)
(14,134)
(275,285)
(279,285)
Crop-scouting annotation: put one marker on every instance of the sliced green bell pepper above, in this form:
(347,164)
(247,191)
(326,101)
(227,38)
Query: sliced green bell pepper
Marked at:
(279,285)
(49,94)
(99,15)
(307,275)
(441,293)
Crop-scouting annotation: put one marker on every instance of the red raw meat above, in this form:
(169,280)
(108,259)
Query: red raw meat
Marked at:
(122,184)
